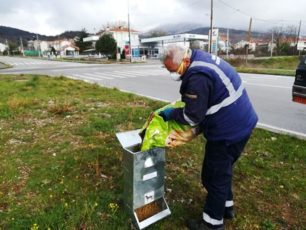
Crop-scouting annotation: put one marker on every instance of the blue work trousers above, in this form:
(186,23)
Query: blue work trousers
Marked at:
(217,177)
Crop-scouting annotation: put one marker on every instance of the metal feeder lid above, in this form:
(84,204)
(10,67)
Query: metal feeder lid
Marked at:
(129,138)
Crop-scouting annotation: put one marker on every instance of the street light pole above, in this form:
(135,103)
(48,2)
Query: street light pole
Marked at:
(272,44)
(8,48)
(130,45)
(211,25)
(38,48)
(21,45)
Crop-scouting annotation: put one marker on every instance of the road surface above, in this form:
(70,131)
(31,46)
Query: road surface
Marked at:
(270,95)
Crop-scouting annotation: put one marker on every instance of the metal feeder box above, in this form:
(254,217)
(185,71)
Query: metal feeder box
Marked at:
(143,180)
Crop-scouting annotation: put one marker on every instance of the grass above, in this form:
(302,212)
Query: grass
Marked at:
(275,65)
(61,163)
(286,72)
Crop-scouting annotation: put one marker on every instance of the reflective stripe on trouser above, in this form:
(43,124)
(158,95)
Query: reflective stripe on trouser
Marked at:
(217,175)
(229,203)
(212,221)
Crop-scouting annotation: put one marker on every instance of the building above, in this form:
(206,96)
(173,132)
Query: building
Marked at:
(224,45)
(3,47)
(63,47)
(152,47)
(301,44)
(122,37)
(242,44)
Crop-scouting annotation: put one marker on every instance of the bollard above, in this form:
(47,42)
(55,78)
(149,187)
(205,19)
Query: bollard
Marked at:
(143,180)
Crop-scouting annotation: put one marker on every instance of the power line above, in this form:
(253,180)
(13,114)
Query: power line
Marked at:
(276,21)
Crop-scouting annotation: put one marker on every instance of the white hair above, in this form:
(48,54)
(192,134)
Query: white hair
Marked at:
(174,52)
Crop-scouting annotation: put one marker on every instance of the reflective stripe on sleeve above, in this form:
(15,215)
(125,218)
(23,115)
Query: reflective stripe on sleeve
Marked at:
(227,101)
(233,94)
(190,122)
(210,220)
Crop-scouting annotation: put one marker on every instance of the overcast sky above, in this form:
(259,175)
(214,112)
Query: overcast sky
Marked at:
(52,17)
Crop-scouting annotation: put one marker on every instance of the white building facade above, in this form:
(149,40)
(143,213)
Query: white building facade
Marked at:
(2,47)
(152,47)
(122,37)
(301,44)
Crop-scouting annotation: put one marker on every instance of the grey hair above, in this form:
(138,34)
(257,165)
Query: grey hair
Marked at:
(174,52)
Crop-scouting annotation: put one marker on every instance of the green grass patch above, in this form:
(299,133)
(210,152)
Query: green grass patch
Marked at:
(61,163)
(275,65)
(283,72)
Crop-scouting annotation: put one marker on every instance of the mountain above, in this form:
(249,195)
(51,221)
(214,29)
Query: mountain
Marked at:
(14,35)
(167,29)
(192,28)
(234,35)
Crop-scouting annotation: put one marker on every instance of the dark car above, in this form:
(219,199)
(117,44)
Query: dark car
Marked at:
(299,86)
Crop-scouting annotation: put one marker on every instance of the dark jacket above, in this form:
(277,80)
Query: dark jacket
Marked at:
(215,100)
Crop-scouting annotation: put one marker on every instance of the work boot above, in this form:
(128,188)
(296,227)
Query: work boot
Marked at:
(229,213)
(201,225)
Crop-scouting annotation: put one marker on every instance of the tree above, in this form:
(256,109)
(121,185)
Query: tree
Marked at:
(13,48)
(80,43)
(283,38)
(106,44)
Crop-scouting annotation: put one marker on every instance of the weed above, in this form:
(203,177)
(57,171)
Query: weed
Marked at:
(5,111)
(33,82)
(268,225)
(60,108)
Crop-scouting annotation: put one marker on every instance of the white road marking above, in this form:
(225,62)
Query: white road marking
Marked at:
(271,86)
(112,75)
(97,77)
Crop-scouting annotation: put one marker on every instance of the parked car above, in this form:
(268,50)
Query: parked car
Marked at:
(299,86)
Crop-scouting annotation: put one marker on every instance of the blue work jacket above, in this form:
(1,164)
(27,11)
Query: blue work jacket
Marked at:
(215,100)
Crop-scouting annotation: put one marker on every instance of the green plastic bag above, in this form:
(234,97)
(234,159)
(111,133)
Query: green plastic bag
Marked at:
(156,131)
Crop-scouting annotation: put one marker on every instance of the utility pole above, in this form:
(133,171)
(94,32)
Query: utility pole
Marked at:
(38,46)
(227,42)
(8,47)
(298,36)
(211,25)
(248,40)
(21,46)
(272,40)
(130,45)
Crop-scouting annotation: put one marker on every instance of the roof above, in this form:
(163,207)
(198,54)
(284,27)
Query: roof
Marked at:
(122,29)
(71,46)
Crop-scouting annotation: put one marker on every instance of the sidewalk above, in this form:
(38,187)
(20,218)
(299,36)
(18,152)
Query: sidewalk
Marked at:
(2,66)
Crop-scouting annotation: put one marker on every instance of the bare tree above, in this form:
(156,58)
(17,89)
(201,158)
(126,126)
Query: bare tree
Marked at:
(284,37)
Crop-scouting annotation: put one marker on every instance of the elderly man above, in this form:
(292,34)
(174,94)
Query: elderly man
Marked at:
(217,105)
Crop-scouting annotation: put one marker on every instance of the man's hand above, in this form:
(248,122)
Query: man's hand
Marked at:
(166,114)
(177,137)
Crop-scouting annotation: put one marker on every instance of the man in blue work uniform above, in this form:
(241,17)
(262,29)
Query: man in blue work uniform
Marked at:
(217,105)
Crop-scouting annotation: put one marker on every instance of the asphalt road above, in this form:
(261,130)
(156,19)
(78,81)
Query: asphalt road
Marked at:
(270,95)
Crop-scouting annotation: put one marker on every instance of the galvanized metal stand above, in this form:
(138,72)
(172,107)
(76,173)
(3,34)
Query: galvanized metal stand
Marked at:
(143,181)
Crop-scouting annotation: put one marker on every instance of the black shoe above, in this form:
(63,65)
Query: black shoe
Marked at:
(200,225)
(229,213)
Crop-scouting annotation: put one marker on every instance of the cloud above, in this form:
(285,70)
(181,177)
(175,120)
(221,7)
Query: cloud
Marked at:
(52,17)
